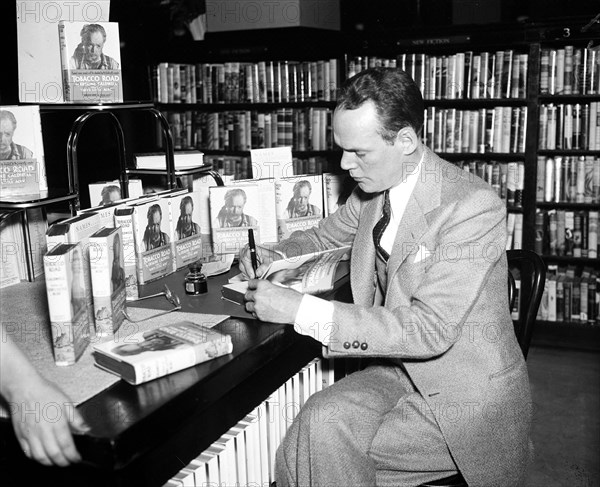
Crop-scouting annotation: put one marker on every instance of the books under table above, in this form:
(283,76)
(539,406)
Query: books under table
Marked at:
(148,355)
(312,273)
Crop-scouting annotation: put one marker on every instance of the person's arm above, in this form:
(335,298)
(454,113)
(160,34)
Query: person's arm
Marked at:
(42,416)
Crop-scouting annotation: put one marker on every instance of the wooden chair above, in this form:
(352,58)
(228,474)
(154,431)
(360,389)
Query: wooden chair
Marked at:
(527,268)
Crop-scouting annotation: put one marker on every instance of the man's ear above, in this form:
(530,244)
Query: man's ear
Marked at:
(408,139)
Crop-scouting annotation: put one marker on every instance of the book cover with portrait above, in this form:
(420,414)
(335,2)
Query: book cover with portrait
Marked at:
(90,59)
(22,166)
(299,203)
(153,250)
(185,230)
(107,267)
(147,355)
(233,211)
(65,288)
(78,229)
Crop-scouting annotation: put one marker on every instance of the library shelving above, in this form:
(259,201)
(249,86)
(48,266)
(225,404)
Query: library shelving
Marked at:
(487,94)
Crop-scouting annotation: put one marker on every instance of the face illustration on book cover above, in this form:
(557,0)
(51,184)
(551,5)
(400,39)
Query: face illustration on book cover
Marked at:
(232,213)
(154,237)
(89,53)
(186,226)
(117,272)
(78,297)
(299,204)
(154,341)
(9,149)
(109,193)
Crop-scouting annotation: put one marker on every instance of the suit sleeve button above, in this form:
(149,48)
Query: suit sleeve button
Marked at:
(346,345)
(364,346)
(355,344)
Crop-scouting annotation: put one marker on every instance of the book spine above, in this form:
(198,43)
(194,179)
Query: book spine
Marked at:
(125,221)
(64,61)
(68,316)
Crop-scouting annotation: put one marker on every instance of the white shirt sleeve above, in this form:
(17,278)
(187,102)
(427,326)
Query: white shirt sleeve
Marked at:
(315,318)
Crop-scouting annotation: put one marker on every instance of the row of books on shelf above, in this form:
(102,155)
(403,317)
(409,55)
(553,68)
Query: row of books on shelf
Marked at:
(570,70)
(500,129)
(567,233)
(570,297)
(240,167)
(507,178)
(246,82)
(245,454)
(305,129)
(570,126)
(568,179)
(464,75)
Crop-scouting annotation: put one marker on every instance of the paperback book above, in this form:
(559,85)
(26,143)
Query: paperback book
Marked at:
(22,167)
(148,355)
(299,203)
(123,218)
(90,59)
(185,231)
(107,267)
(313,273)
(78,229)
(158,160)
(234,210)
(106,192)
(153,250)
(65,287)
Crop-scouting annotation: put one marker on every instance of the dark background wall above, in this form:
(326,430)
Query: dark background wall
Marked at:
(151,33)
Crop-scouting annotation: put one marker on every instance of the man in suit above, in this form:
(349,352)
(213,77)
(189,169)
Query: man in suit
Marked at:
(446,386)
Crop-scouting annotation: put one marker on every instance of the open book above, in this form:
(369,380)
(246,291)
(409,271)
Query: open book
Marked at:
(312,273)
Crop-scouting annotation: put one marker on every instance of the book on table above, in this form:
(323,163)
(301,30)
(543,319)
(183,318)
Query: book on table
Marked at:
(148,355)
(65,287)
(107,269)
(90,58)
(312,273)
(22,166)
(158,160)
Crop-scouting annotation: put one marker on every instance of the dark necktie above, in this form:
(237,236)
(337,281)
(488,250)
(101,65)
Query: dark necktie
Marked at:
(381,225)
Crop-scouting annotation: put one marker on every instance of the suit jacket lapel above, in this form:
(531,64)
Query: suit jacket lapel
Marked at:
(424,198)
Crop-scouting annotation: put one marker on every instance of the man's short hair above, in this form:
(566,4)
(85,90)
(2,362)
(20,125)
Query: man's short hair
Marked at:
(232,193)
(8,115)
(88,29)
(154,209)
(397,99)
(305,183)
(184,201)
(111,188)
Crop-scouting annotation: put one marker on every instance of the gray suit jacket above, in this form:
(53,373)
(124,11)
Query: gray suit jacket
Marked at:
(446,317)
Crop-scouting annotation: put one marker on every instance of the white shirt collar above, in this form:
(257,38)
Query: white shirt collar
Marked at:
(399,196)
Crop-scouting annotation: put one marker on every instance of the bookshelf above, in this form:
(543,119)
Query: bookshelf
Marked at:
(568,177)
(504,149)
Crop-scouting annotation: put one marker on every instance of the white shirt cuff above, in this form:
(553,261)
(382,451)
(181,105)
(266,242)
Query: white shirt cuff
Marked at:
(315,318)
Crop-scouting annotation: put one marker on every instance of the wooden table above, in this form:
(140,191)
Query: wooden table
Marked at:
(143,435)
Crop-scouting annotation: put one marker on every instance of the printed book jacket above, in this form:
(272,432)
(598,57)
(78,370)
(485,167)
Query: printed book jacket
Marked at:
(148,355)
(90,59)
(65,286)
(312,273)
(22,167)
(107,268)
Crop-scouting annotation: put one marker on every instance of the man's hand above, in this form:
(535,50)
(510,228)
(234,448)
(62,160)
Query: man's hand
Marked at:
(43,418)
(264,256)
(269,302)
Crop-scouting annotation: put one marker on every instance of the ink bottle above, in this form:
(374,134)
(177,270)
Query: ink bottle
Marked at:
(195,281)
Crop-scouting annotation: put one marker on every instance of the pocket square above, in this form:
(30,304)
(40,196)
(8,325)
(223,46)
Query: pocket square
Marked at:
(422,253)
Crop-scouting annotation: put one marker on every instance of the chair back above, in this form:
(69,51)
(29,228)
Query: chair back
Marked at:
(527,267)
